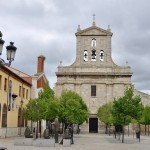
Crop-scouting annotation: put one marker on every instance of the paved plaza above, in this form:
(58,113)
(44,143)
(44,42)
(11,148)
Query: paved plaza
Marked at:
(88,142)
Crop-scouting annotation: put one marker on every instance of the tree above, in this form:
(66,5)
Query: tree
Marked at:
(73,110)
(145,119)
(48,105)
(30,112)
(126,108)
(36,108)
(46,93)
(34,111)
(44,107)
(51,109)
(104,114)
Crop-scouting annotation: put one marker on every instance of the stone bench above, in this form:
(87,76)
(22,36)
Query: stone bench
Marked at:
(66,142)
(23,142)
(45,143)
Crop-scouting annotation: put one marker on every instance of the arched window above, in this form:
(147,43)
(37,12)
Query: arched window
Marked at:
(93,55)
(93,42)
(101,55)
(85,55)
(4,116)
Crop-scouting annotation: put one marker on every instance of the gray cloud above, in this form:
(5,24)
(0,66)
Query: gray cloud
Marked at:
(47,27)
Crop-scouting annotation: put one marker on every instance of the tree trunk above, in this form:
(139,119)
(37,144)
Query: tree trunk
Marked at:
(37,130)
(106,129)
(122,134)
(56,130)
(139,132)
(31,125)
(128,129)
(148,130)
(145,129)
(109,129)
(78,129)
(40,127)
(115,134)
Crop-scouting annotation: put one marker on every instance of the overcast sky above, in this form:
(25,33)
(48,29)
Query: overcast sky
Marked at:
(48,27)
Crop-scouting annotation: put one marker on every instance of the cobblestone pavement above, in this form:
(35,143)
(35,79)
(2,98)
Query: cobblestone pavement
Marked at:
(88,142)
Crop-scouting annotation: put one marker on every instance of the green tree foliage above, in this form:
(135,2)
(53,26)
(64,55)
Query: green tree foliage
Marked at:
(52,109)
(127,107)
(47,93)
(48,103)
(104,113)
(72,108)
(145,119)
(44,107)
(30,112)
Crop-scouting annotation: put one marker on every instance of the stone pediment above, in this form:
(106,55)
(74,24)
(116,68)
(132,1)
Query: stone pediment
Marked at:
(94,31)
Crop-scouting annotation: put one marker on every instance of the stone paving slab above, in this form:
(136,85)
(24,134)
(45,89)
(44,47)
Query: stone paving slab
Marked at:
(66,142)
(45,142)
(88,142)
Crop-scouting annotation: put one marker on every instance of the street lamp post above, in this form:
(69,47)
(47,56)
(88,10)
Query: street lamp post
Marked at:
(14,96)
(11,51)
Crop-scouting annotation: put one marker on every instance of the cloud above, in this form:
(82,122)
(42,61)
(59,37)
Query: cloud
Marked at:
(48,27)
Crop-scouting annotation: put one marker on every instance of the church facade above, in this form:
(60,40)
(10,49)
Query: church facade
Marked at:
(93,75)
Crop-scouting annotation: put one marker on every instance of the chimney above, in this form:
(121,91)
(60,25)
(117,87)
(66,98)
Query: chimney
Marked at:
(40,67)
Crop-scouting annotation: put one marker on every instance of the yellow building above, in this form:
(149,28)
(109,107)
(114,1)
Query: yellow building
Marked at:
(15,92)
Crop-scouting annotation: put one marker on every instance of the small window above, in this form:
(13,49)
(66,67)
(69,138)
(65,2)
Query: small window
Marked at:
(93,55)
(23,92)
(93,42)
(93,90)
(101,55)
(85,55)
(20,91)
(5,84)
(26,93)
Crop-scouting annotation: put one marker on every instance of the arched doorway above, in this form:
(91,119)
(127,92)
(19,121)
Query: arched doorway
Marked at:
(4,116)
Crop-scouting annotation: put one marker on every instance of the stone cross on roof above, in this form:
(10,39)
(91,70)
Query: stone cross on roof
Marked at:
(94,19)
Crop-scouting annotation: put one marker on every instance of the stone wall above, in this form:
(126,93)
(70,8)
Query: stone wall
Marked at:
(11,132)
(144,97)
